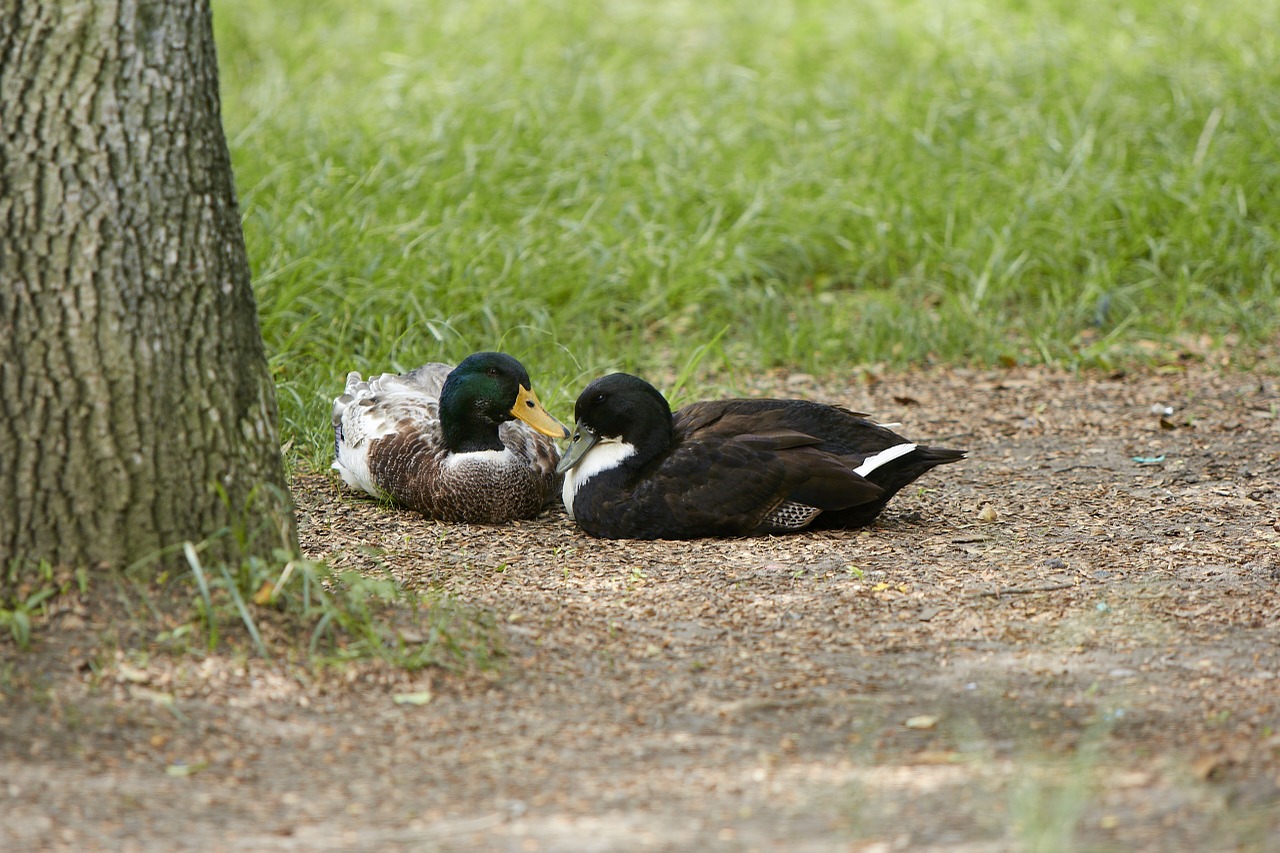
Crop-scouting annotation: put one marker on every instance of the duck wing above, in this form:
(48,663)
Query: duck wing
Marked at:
(535,451)
(846,438)
(738,416)
(718,481)
(848,465)
(402,407)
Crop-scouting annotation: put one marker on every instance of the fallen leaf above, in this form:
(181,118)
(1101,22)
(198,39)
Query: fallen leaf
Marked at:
(927,613)
(263,596)
(182,768)
(132,674)
(1205,767)
(922,721)
(422,697)
(411,635)
(155,697)
(1130,779)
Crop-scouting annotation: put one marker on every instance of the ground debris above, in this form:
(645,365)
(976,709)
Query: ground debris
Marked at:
(1103,640)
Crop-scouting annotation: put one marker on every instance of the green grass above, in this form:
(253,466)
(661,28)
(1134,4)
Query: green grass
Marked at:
(594,186)
(288,608)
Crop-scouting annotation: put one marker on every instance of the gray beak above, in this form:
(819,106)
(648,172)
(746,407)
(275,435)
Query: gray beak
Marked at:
(580,442)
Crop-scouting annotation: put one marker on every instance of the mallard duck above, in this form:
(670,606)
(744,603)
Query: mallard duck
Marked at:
(728,467)
(469,443)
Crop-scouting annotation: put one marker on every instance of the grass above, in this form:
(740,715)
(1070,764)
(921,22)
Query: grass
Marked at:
(306,610)
(225,596)
(293,610)
(287,606)
(820,184)
(25,591)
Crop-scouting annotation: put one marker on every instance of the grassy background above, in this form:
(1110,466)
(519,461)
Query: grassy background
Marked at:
(594,186)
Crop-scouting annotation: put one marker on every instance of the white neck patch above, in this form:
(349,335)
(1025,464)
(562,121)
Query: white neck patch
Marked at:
(479,457)
(885,456)
(605,454)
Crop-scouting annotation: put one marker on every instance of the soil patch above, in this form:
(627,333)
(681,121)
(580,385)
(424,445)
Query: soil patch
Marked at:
(1071,639)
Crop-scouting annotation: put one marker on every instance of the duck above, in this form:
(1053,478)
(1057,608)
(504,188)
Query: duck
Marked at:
(469,443)
(727,468)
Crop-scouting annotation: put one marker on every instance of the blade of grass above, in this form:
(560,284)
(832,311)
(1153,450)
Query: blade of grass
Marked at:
(193,560)
(243,610)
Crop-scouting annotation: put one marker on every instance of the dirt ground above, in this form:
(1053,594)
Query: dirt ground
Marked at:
(1071,640)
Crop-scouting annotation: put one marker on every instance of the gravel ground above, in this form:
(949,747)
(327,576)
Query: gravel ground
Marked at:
(1069,640)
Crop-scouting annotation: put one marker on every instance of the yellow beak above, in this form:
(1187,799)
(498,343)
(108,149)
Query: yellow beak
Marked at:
(529,410)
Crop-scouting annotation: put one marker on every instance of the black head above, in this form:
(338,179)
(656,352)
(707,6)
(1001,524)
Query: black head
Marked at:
(486,389)
(623,407)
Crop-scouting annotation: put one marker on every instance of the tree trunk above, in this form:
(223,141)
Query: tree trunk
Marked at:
(133,379)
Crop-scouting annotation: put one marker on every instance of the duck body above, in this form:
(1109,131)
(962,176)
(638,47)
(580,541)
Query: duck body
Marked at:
(728,467)
(469,443)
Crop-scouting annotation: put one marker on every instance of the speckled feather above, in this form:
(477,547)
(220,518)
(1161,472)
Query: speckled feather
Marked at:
(389,443)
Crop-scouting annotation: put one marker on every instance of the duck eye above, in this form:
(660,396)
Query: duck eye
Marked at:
(492,371)
(600,397)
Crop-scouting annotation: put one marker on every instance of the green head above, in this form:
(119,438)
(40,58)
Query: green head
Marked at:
(485,390)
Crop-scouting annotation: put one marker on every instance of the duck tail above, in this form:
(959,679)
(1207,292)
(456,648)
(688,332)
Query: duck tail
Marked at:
(340,405)
(891,469)
(898,471)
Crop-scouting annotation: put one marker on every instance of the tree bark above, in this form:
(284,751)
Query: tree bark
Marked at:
(133,379)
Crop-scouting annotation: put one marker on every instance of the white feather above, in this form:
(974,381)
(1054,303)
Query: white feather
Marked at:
(605,454)
(871,463)
(352,464)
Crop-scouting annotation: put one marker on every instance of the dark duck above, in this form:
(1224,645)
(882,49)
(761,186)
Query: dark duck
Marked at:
(728,467)
(467,443)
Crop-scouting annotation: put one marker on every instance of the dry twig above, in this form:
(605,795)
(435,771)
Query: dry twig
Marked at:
(1023,590)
